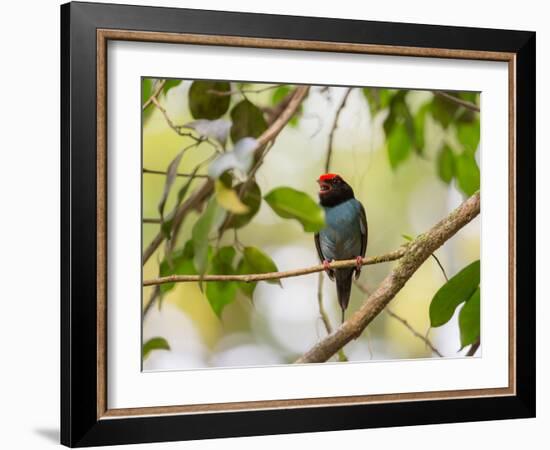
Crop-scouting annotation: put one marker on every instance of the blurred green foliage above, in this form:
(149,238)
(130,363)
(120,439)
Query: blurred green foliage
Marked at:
(223,109)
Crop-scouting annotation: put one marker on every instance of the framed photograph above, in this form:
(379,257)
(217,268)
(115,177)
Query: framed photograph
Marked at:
(273,224)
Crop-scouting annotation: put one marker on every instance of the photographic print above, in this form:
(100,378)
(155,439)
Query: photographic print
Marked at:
(275,218)
(256,220)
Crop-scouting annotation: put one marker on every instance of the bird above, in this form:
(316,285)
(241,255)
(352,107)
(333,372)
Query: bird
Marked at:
(344,235)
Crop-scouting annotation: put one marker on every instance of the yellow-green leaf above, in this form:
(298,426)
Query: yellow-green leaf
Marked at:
(227,198)
(467,173)
(252,198)
(446,164)
(221,293)
(200,233)
(399,145)
(156,343)
(290,203)
(469,320)
(255,261)
(456,291)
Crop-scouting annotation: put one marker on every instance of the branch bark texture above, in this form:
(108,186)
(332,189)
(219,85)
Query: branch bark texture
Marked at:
(416,253)
(251,278)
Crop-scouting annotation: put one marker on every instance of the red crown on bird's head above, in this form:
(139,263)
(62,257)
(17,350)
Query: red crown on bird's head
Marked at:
(328,176)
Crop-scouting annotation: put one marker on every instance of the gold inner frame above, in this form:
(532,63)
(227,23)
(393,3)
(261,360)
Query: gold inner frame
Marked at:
(103,36)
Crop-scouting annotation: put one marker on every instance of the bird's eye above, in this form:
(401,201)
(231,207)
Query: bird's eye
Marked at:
(337,180)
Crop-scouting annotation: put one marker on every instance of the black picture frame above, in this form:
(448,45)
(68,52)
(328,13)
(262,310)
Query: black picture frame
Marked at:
(80,424)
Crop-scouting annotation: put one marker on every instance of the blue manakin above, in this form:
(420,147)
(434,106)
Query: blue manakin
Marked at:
(345,233)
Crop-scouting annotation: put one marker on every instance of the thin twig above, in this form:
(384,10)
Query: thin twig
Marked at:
(324,316)
(158,88)
(243,91)
(333,129)
(420,336)
(252,278)
(473,348)
(466,104)
(440,266)
(178,128)
(416,253)
(151,220)
(414,332)
(163,172)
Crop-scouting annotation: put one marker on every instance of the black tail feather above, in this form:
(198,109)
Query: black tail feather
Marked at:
(343,287)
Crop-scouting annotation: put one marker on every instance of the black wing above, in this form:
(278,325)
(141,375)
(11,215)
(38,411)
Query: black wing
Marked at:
(330,273)
(364,230)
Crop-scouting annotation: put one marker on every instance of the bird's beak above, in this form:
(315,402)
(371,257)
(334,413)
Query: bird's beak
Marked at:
(324,187)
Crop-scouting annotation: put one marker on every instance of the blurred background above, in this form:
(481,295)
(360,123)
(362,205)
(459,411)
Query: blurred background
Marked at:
(405,191)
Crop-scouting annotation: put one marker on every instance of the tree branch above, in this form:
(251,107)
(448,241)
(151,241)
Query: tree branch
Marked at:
(458,101)
(252,278)
(473,348)
(244,91)
(163,172)
(333,129)
(416,253)
(158,88)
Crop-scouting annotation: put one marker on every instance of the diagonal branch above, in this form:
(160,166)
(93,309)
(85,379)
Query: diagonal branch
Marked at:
(252,278)
(416,253)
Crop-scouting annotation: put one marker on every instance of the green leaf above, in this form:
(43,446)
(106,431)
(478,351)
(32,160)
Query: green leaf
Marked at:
(469,320)
(399,145)
(407,237)
(169,84)
(200,233)
(468,96)
(205,102)
(248,121)
(378,98)
(279,94)
(397,112)
(146,89)
(292,204)
(217,129)
(252,198)
(446,164)
(443,110)
(180,262)
(241,158)
(456,291)
(156,343)
(221,293)
(467,173)
(419,127)
(227,198)
(468,135)
(169,181)
(255,261)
